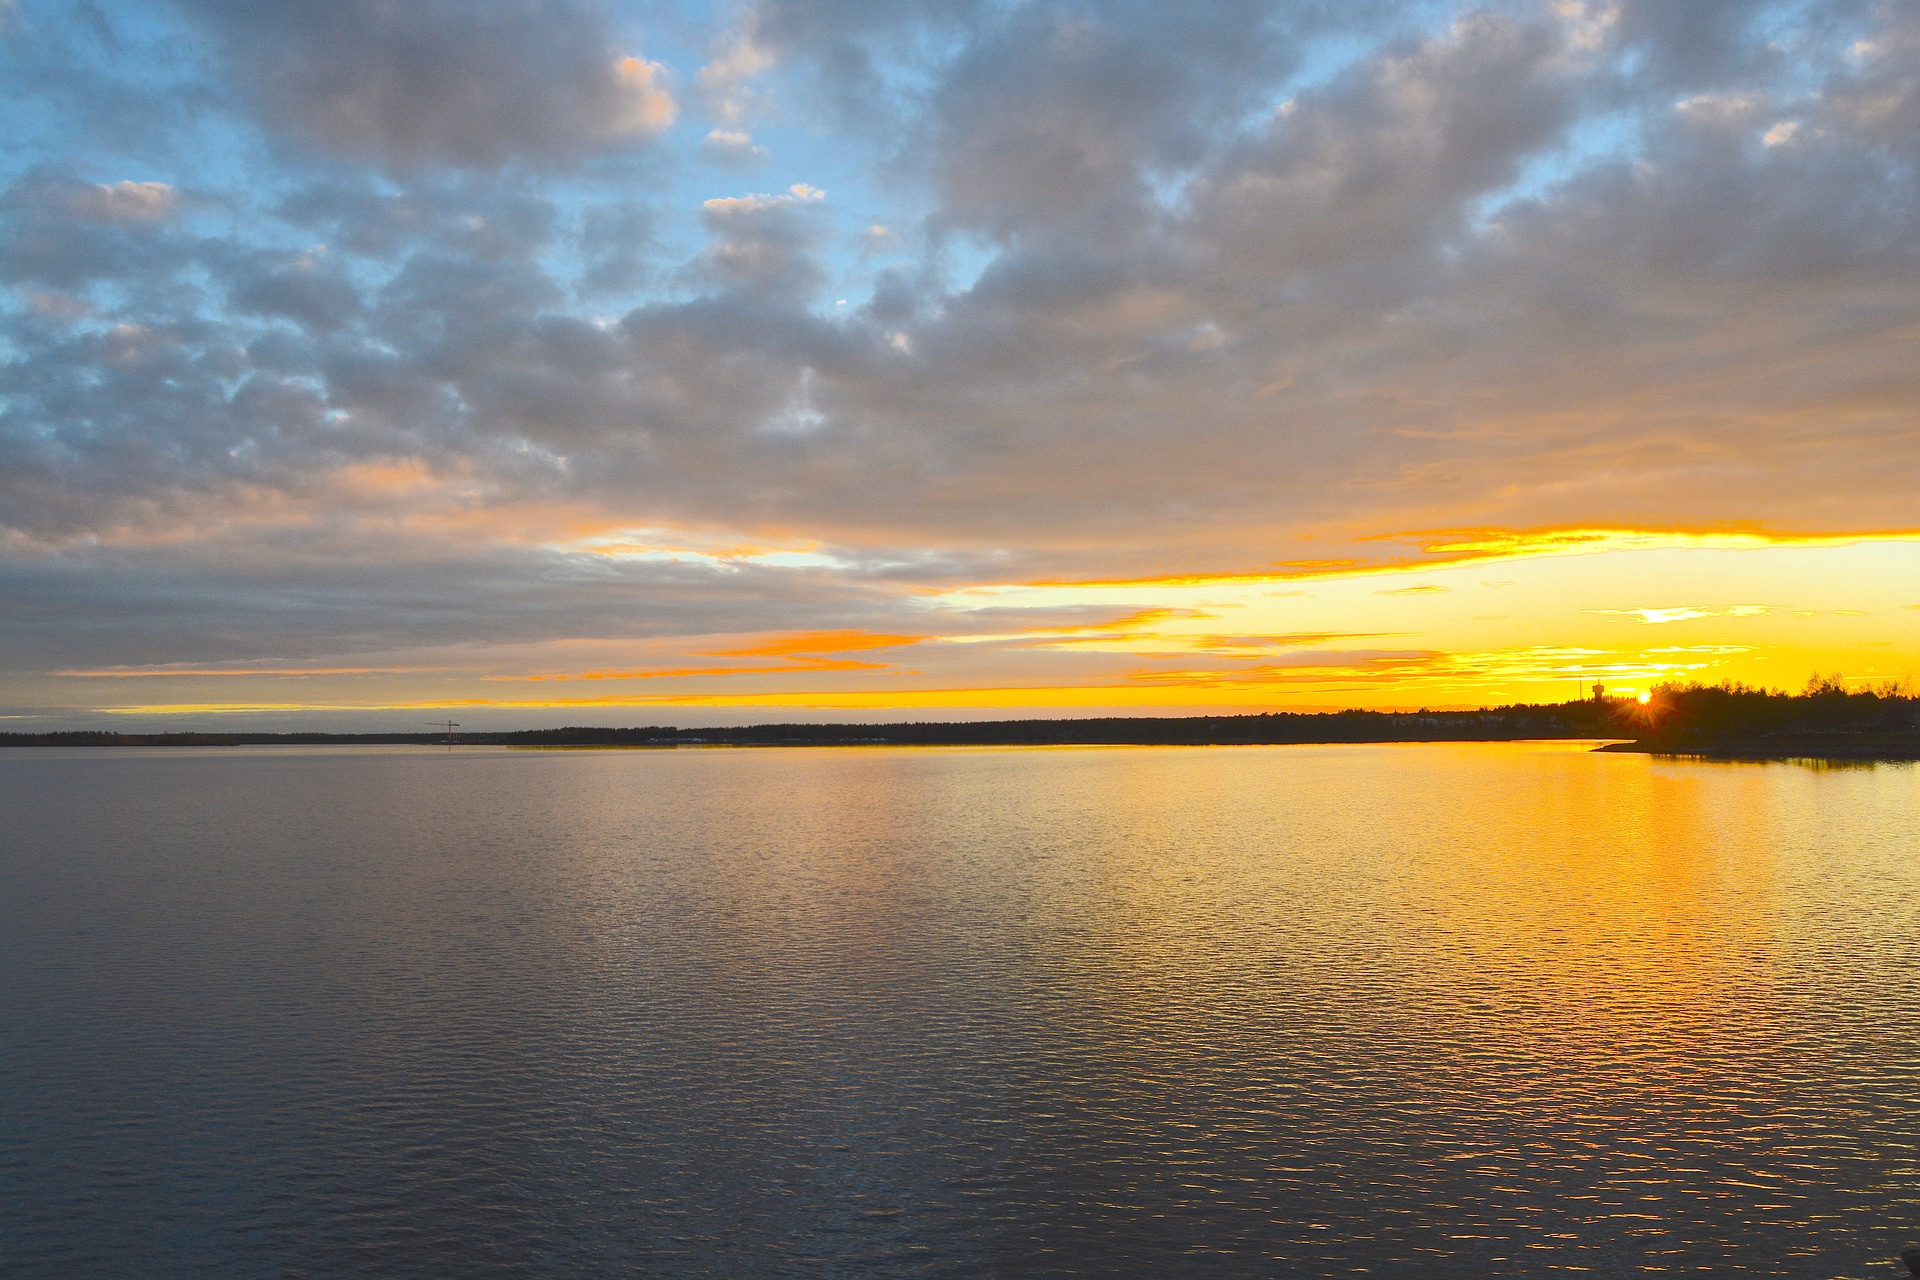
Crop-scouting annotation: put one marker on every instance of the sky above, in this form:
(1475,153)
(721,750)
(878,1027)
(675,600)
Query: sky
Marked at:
(555,362)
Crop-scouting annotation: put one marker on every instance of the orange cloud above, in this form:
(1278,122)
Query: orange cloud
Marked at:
(655,673)
(1439,549)
(818,642)
(1387,667)
(1133,621)
(1290,640)
(1140,623)
(1507,543)
(802,651)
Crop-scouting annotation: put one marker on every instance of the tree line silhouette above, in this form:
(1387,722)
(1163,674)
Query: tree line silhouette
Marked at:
(1729,718)
(1828,718)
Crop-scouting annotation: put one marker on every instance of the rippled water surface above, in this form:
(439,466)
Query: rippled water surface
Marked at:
(1472,1010)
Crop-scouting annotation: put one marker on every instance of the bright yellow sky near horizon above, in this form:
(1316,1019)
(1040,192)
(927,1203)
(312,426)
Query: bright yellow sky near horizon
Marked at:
(1470,622)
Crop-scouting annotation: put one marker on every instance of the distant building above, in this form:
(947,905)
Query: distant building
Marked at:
(1599,692)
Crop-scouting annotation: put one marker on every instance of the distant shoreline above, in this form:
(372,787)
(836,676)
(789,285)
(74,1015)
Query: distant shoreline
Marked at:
(1710,722)
(1504,724)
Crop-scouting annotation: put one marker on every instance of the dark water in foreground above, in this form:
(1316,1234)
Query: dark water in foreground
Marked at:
(1463,1011)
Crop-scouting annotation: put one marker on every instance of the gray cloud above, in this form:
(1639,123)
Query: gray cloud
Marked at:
(734,147)
(63,232)
(308,596)
(1064,113)
(433,83)
(764,243)
(1382,164)
(301,288)
(617,241)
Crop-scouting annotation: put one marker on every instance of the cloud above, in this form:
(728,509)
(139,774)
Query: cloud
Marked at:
(645,105)
(65,232)
(819,642)
(439,83)
(723,82)
(303,288)
(617,241)
(1056,117)
(1693,42)
(124,201)
(765,243)
(1380,166)
(732,146)
(1689,613)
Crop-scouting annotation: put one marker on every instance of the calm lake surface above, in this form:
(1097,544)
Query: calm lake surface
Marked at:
(1454,1010)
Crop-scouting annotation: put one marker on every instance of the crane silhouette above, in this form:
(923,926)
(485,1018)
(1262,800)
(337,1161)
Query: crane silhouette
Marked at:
(449,726)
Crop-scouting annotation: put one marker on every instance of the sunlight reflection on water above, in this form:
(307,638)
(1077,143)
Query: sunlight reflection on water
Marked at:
(1465,1010)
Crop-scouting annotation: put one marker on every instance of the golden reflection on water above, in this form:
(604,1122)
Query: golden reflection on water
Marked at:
(1591,897)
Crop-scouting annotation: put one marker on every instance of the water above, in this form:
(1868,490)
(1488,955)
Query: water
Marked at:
(1452,1010)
